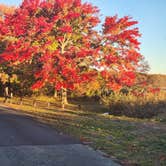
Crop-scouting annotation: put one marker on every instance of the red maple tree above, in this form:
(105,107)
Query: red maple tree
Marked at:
(60,36)
(120,57)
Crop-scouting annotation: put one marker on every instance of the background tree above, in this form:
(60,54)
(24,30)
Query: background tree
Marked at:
(120,58)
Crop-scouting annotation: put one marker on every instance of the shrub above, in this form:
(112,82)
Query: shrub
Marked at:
(145,106)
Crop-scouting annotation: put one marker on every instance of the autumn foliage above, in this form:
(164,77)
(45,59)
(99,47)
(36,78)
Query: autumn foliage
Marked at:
(60,37)
(4,9)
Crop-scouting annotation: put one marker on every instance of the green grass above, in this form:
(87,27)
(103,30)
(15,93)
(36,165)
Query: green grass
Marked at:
(131,141)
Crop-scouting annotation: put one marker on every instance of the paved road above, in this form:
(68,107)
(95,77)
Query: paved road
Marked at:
(26,142)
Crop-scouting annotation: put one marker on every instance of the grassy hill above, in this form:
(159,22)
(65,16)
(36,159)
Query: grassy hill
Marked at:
(156,80)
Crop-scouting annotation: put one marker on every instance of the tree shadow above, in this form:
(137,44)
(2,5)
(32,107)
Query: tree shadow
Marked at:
(18,128)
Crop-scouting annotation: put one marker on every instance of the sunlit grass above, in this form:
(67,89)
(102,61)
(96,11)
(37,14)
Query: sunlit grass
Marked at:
(129,140)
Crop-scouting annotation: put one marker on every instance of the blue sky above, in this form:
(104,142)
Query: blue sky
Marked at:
(151,15)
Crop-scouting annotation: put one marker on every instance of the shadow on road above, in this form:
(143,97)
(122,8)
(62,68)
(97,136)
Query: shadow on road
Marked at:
(19,129)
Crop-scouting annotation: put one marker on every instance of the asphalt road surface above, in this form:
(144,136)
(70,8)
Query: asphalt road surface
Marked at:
(26,142)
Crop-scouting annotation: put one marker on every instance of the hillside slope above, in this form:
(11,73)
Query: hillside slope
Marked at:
(157,80)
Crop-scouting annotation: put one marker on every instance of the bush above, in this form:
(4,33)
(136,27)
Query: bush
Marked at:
(129,105)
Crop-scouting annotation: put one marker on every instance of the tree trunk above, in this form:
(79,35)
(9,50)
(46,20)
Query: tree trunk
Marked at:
(21,100)
(64,97)
(55,93)
(64,90)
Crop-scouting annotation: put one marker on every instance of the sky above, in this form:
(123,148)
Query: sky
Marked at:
(150,14)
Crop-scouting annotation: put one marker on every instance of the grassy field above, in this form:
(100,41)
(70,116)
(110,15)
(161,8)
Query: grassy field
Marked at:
(129,141)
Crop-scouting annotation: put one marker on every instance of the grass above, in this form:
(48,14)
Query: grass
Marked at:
(130,141)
